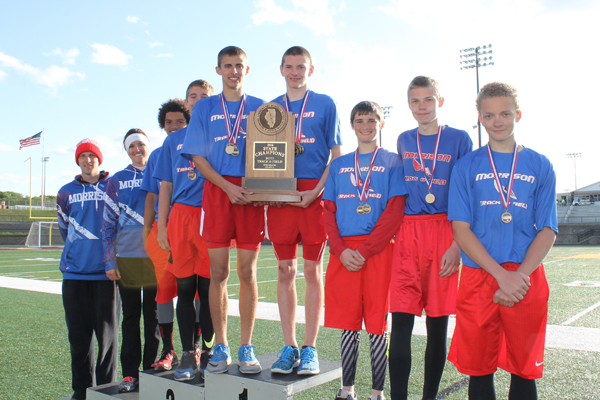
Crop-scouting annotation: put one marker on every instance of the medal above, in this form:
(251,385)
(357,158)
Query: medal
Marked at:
(298,122)
(429,198)
(233,129)
(191,175)
(232,149)
(506,216)
(364,194)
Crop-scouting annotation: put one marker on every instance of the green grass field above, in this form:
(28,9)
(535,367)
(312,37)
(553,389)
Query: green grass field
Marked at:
(34,351)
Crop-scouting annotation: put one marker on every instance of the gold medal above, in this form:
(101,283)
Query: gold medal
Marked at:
(360,210)
(192,175)
(430,198)
(298,149)
(232,149)
(366,209)
(506,217)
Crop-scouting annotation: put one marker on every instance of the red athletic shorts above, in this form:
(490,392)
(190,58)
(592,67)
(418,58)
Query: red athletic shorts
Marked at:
(190,254)
(223,221)
(416,284)
(351,297)
(489,335)
(289,225)
(167,284)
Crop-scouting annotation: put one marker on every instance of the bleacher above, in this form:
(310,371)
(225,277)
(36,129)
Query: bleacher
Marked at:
(581,214)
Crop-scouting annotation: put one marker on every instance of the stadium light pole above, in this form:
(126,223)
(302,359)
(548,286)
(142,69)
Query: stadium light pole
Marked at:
(574,156)
(387,110)
(473,57)
(44,161)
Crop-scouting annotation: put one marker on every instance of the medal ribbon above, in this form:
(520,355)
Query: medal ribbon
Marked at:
(233,130)
(505,201)
(300,117)
(435,153)
(363,196)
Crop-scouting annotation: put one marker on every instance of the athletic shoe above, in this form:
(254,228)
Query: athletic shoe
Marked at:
(289,358)
(128,384)
(205,357)
(187,368)
(166,361)
(247,361)
(345,395)
(377,397)
(220,360)
(309,361)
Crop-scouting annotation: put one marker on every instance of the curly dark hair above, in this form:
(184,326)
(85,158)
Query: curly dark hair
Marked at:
(172,105)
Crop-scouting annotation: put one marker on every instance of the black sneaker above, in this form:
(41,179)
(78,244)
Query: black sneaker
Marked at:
(187,367)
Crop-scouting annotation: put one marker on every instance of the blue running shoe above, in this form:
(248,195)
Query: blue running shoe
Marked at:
(187,367)
(220,360)
(247,361)
(309,361)
(289,358)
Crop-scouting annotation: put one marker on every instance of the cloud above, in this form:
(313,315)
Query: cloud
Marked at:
(5,147)
(147,32)
(109,55)
(68,56)
(52,77)
(164,55)
(154,44)
(13,178)
(132,19)
(313,14)
(2,75)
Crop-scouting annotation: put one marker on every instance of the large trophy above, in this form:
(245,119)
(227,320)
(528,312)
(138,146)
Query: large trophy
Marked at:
(270,147)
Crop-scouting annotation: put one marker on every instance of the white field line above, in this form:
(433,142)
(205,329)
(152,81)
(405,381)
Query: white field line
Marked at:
(581,314)
(557,336)
(28,265)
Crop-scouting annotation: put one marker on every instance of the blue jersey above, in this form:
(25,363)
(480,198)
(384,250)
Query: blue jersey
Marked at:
(475,198)
(320,132)
(188,183)
(207,134)
(149,184)
(80,206)
(387,181)
(454,144)
(124,217)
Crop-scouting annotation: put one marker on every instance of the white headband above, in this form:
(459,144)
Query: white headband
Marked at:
(136,137)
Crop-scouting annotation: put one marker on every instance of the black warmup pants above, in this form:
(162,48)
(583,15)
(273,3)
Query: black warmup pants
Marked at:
(138,274)
(91,307)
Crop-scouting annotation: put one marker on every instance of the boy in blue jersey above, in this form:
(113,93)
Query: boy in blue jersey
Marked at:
(89,292)
(426,258)
(172,116)
(503,213)
(318,137)
(124,253)
(180,202)
(216,141)
(364,206)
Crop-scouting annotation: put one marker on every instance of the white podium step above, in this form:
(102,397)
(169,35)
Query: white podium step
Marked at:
(232,385)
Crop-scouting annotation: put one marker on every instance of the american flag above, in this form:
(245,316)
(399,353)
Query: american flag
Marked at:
(30,141)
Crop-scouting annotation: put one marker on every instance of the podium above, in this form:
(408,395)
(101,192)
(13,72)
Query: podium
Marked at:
(232,385)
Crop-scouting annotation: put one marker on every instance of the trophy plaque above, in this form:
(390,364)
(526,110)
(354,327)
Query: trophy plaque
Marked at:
(270,146)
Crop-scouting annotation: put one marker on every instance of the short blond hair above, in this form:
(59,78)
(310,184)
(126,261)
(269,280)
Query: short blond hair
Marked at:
(424,82)
(497,89)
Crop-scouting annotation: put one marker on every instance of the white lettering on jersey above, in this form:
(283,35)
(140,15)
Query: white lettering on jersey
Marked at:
(505,175)
(217,117)
(179,146)
(427,156)
(376,168)
(87,196)
(133,183)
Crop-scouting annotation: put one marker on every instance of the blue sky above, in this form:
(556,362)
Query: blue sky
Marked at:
(95,69)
